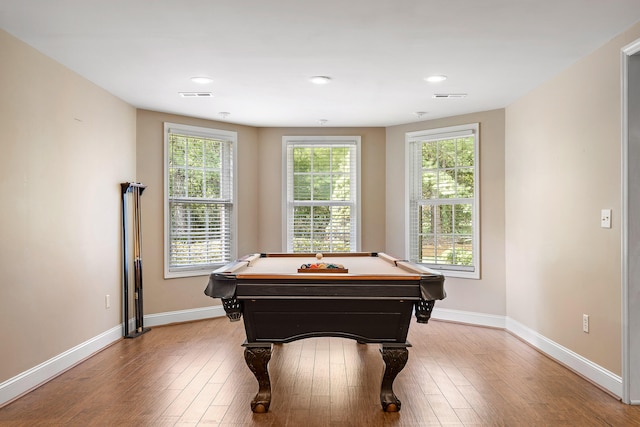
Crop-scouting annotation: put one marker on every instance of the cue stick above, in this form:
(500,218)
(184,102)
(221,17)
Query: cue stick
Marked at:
(125,259)
(137,259)
(136,189)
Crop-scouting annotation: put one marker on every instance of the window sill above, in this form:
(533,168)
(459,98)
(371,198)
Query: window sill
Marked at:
(191,273)
(455,273)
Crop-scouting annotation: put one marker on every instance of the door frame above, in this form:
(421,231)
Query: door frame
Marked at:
(630,373)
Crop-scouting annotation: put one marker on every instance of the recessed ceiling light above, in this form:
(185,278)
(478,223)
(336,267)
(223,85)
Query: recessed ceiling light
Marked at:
(436,78)
(320,80)
(201,80)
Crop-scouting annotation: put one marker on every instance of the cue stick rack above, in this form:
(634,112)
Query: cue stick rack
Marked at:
(131,253)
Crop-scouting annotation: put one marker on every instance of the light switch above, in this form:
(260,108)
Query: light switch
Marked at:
(605,218)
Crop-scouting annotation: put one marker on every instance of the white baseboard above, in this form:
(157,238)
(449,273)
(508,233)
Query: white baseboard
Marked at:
(480,319)
(181,316)
(593,372)
(32,378)
(22,383)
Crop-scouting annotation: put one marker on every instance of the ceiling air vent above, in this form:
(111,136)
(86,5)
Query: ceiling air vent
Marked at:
(449,95)
(196,94)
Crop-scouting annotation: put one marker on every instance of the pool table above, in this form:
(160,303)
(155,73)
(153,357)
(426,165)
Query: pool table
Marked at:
(370,300)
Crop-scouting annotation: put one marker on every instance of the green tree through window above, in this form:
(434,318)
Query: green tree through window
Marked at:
(322,188)
(443,198)
(199,198)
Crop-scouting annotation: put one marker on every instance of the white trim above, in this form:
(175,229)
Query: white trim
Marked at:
(468,317)
(626,366)
(181,316)
(577,363)
(353,140)
(220,134)
(632,48)
(436,134)
(593,372)
(626,52)
(32,378)
(407,199)
(283,192)
(458,131)
(359,193)
(48,370)
(36,376)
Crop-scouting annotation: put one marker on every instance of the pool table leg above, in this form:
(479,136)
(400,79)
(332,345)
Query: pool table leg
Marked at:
(394,360)
(257,358)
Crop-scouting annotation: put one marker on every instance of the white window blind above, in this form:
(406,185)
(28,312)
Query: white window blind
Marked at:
(199,199)
(444,199)
(322,186)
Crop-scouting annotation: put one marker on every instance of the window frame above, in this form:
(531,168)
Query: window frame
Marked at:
(319,141)
(198,131)
(414,182)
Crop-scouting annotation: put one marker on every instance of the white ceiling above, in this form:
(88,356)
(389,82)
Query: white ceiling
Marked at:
(261,53)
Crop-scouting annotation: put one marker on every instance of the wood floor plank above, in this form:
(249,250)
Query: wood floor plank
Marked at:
(321,385)
(194,374)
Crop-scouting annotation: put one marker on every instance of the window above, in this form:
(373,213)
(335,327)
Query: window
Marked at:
(444,199)
(322,184)
(199,199)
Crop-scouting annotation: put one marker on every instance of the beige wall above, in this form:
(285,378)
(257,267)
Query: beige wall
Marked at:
(563,166)
(165,295)
(66,146)
(269,184)
(486,295)
(259,199)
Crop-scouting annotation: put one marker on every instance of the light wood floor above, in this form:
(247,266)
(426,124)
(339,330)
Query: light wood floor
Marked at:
(195,374)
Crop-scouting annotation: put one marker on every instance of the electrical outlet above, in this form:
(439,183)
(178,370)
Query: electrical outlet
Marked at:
(107,301)
(585,323)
